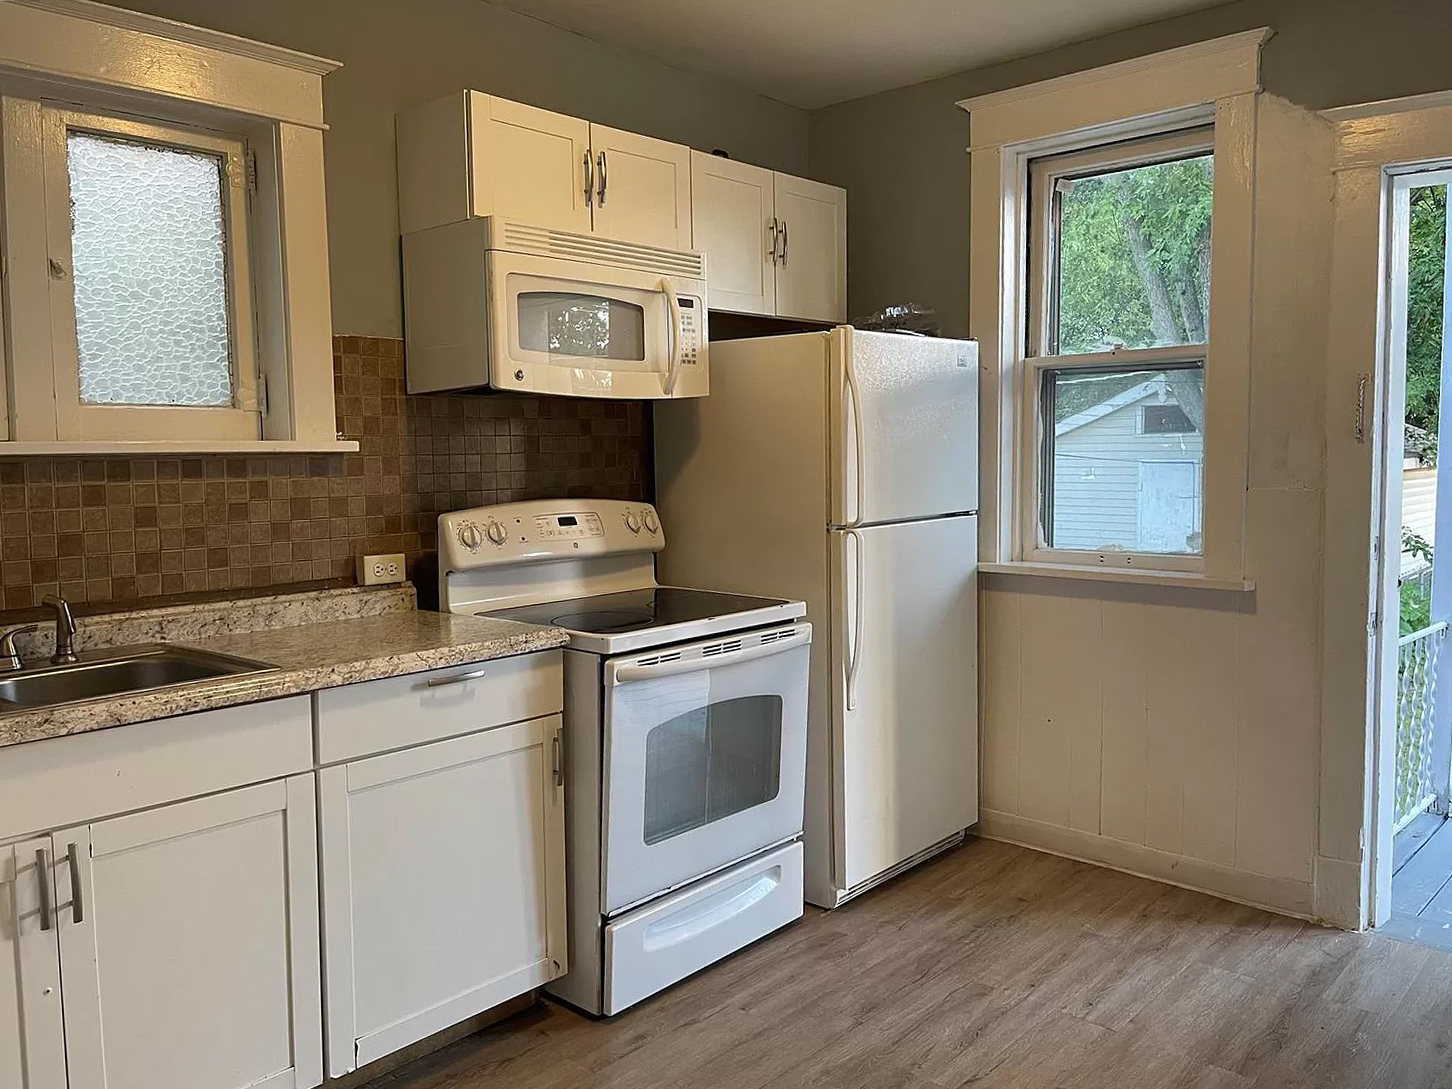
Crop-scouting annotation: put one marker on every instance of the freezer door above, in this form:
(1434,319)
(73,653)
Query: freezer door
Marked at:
(905,691)
(904,414)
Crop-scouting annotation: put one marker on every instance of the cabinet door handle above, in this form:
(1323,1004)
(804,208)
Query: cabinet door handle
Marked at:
(589,178)
(47,896)
(600,171)
(73,857)
(458,678)
(557,763)
(783,243)
(772,230)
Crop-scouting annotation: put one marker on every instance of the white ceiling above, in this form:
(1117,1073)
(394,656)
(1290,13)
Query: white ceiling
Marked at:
(812,53)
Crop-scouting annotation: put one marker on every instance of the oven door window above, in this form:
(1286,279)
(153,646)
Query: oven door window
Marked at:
(710,763)
(580,326)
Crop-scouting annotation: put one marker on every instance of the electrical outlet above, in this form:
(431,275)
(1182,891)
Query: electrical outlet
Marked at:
(378,570)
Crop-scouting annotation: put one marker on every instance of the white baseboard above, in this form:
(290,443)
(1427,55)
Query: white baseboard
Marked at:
(1278,894)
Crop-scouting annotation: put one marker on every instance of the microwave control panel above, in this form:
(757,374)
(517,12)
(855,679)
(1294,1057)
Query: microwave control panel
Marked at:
(690,329)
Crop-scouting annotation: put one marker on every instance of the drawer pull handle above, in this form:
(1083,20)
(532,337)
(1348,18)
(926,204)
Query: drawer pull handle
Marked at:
(73,856)
(47,897)
(472,675)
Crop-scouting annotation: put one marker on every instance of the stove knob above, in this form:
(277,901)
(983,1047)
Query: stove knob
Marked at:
(651,524)
(497,533)
(632,521)
(470,537)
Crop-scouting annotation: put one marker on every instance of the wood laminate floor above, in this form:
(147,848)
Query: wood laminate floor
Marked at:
(994,966)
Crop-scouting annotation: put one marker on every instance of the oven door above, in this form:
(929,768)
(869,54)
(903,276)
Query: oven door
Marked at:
(588,330)
(705,758)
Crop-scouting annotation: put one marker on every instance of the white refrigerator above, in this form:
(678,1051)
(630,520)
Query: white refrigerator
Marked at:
(841,468)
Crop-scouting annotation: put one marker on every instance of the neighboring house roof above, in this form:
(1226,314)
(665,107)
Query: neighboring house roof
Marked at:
(1133,395)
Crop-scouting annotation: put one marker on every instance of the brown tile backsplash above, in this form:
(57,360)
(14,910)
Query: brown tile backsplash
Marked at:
(119,529)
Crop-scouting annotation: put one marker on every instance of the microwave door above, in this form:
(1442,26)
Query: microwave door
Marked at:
(592,331)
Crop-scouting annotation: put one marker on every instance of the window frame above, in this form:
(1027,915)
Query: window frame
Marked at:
(99,59)
(76,420)
(1209,83)
(1041,311)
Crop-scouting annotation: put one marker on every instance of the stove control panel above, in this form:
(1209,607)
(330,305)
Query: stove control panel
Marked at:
(546,529)
(567,527)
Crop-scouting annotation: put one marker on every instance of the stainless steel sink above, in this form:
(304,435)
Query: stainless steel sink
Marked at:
(117,672)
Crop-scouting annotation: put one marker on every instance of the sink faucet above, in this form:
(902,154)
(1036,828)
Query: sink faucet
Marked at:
(65,629)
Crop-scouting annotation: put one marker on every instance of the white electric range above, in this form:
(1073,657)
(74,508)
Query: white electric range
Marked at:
(685,738)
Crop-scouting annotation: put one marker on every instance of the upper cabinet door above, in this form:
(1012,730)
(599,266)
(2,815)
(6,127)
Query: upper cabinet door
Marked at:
(642,189)
(189,944)
(731,223)
(528,164)
(811,274)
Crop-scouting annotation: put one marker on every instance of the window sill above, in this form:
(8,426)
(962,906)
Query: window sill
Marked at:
(175,448)
(1190,580)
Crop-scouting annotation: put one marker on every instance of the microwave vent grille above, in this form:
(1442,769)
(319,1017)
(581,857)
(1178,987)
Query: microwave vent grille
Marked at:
(525,238)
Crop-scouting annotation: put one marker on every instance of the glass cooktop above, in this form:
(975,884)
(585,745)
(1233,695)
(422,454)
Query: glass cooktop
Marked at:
(635,610)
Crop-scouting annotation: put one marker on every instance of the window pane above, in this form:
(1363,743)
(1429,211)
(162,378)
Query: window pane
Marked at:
(1133,266)
(1123,459)
(711,762)
(149,267)
(563,323)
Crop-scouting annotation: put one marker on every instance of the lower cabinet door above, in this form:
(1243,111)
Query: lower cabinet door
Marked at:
(32,1037)
(189,944)
(443,885)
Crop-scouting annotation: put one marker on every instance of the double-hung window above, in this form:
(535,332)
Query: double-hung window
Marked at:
(1114,372)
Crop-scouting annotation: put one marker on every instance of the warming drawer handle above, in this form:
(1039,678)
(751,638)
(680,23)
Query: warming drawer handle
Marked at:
(711,912)
(625,674)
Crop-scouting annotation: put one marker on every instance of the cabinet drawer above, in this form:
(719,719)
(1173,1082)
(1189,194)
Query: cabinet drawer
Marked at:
(67,780)
(376,716)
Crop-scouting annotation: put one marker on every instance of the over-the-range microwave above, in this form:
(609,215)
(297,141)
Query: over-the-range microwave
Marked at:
(491,302)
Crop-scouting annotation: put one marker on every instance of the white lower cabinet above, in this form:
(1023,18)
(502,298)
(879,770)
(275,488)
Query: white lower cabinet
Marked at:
(443,884)
(182,944)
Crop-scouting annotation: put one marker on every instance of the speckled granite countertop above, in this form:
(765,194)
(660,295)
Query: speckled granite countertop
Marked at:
(309,656)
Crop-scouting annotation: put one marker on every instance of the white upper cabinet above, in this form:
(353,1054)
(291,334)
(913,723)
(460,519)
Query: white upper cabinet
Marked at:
(811,274)
(732,206)
(528,163)
(774,244)
(642,188)
(473,154)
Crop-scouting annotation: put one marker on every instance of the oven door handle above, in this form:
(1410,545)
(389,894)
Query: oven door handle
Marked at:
(628,672)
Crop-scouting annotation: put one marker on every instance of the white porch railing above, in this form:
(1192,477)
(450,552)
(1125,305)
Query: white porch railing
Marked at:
(1416,787)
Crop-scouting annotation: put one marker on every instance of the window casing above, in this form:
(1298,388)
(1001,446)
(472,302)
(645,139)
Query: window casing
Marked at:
(248,334)
(1208,83)
(141,283)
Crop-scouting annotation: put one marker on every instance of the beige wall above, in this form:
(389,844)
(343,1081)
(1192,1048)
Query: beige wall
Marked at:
(399,52)
(901,153)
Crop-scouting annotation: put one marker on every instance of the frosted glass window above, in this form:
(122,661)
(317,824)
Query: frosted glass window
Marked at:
(149,269)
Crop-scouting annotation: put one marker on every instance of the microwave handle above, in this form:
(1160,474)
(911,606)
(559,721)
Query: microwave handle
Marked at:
(625,674)
(672,376)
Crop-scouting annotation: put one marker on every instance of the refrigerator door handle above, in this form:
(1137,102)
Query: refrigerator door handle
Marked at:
(853,391)
(854,648)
